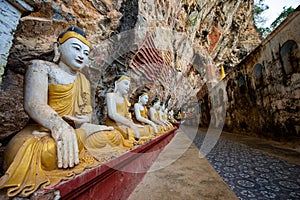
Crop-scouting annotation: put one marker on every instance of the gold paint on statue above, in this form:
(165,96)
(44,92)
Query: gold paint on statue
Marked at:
(32,158)
(123,110)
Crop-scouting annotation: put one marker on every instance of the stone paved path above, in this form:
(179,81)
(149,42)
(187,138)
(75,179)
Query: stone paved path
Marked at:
(249,173)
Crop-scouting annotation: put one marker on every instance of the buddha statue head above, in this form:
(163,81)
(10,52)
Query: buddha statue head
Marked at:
(143,97)
(162,105)
(72,48)
(156,103)
(122,83)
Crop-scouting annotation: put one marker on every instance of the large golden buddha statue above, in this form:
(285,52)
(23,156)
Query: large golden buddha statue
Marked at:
(118,112)
(62,142)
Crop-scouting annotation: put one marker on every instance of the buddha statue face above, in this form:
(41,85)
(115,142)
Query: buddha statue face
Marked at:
(143,99)
(74,53)
(123,86)
(157,105)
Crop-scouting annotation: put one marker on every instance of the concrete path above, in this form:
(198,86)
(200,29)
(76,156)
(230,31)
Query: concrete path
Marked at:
(237,167)
(179,173)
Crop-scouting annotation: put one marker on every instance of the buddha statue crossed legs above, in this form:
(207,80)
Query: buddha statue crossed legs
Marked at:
(118,112)
(51,149)
(163,116)
(154,115)
(141,111)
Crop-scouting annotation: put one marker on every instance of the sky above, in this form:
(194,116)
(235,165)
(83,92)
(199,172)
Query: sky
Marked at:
(276,7)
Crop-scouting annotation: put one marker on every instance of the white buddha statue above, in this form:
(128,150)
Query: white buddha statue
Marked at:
(62,142)
(118,112)
(154,115)
(141,111)
(163,116)
(171,117)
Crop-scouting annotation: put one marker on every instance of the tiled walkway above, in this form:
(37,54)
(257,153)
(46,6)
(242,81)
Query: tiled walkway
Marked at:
(251,173)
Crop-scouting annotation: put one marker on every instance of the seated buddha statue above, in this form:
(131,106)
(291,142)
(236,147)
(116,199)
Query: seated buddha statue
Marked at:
(171,117)
(61,142)
(141,111)
(163,116)
(178,116)
(118,112)
(154,115)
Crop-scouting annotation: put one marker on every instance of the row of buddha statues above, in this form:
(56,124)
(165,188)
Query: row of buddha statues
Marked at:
(62,141)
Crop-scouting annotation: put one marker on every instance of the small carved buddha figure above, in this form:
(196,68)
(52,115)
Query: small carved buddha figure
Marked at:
(141,111)
(154,115)
(56,146)
(118,112)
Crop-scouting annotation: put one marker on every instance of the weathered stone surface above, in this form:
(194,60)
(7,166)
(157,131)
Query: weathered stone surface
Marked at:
(198,29)
(12,116)
(263,90)
(191,46)
(10,13)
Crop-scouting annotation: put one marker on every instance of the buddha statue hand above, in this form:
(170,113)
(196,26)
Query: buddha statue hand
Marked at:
(76,121)
(66,144)
(135,128)
(168,123)
(93,128)
(165,127)
(154,126)
(139,125)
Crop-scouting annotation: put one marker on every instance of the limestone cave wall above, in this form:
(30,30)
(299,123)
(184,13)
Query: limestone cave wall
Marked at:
(186,41)
(262,93)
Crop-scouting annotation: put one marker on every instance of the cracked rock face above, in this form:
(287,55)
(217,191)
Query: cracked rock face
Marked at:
(170,47)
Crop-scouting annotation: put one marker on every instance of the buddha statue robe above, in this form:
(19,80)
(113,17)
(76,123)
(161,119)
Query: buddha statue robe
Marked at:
(128,133)
(165,118)
(30,157)
(161,129)
(144,114)
(172,119)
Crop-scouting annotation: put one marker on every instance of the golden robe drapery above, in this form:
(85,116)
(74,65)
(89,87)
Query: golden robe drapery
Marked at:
(30,157)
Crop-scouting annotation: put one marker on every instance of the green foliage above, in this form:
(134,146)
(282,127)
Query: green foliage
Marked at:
(281,17)
(264,31)
(194,21)
(258,9)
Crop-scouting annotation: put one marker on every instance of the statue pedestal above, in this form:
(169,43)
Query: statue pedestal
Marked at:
(115,179)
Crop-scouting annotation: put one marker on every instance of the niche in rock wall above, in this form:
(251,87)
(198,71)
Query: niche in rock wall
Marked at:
(290,56)
(258,76)
(241,84)
(230,89)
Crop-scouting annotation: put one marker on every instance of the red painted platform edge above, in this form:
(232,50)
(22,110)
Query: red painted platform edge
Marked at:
(91,177)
